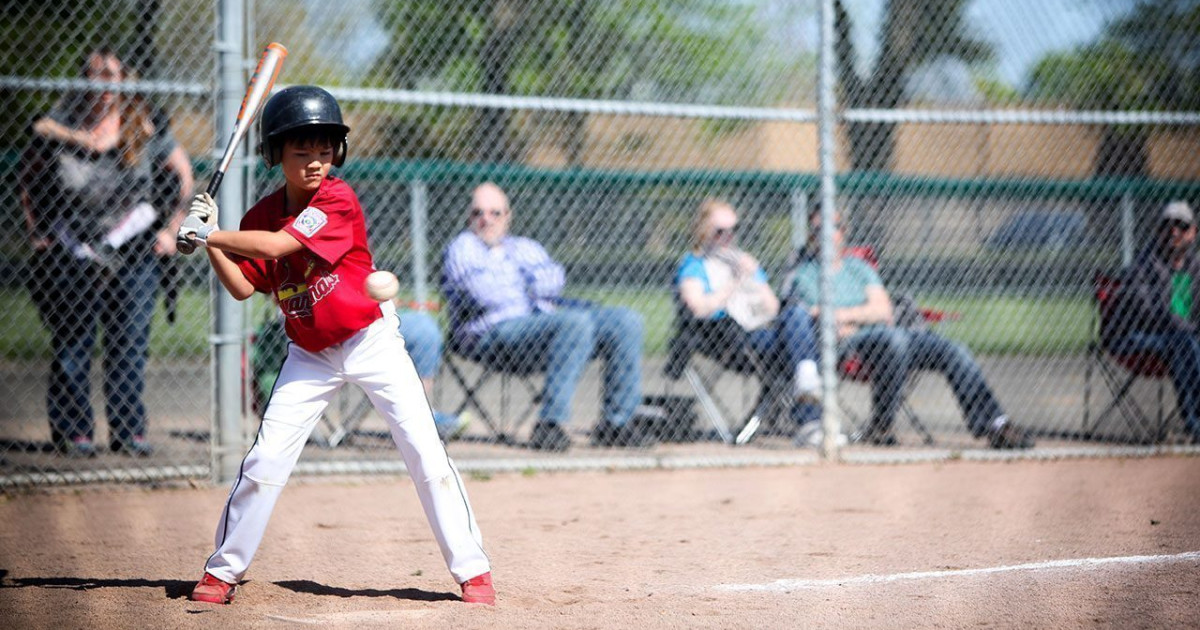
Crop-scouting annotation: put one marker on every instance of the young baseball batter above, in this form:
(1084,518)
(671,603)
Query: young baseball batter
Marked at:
(307,244)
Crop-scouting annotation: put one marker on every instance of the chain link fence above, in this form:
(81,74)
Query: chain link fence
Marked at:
(993,168)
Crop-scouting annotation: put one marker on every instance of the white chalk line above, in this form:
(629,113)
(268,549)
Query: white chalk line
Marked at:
(794,585)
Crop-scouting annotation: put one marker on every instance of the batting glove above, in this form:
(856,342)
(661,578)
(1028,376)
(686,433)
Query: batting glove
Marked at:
(201,214)
(204,208)
(194,230)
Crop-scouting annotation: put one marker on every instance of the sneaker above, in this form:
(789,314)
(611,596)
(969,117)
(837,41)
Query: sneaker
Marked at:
(629,435)
(213,591)
(807,384)
(876,435)
(548,436)
(78,447)
(451,427)
(479,590)
(137,446)
(1009,436)
(812,434)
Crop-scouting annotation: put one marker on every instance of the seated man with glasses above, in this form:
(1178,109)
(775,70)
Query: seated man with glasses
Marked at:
(1157,307)
(507,312)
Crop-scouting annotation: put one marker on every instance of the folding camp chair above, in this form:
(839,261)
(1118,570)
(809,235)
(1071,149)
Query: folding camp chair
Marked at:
(471,375)
(1120,372)
(727,348)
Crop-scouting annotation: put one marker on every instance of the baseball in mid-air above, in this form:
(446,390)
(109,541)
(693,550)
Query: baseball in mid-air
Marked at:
(382,285)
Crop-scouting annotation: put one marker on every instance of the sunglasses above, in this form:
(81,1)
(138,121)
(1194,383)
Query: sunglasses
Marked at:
(493,213)
(724,232)
(1176,224)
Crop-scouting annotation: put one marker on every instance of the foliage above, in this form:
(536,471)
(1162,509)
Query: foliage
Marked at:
(1147,60)
(621,49)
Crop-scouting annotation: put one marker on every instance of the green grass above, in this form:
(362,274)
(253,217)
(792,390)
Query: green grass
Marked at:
(22,336)
(994,325)
(999,325)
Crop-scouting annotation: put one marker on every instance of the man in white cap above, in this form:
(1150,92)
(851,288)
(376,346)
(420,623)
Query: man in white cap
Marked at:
(1158,308)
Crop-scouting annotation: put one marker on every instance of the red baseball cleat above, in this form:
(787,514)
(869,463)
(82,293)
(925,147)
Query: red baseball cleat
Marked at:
(214,591)
(478,590)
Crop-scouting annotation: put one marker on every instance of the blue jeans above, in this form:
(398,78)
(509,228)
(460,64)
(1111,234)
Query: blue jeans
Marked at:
(423,341)
(1180,350)
(892,354)
(75,299)
(561,343)
(789,340)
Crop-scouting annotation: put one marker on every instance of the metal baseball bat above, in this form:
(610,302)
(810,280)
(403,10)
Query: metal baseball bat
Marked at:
(260,85)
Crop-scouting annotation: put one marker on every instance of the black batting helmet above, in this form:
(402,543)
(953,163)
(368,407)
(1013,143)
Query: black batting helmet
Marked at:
(300,106)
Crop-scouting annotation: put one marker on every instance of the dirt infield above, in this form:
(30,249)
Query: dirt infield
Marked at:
(955,545)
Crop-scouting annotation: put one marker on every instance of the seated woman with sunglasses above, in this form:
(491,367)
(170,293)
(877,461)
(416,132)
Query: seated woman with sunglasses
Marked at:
(507,311)
(717,282)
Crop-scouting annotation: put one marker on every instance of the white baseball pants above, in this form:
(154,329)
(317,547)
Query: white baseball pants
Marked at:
(374,359)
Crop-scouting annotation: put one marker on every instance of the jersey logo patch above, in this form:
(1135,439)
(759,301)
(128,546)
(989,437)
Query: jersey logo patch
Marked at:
(310,221)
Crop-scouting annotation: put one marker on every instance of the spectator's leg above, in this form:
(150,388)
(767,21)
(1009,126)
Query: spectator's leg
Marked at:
(979,406)
(619,333)
(69,306)
(561,342)
(1181,352)
(796,341)
(888,354)
(423,341)
(1183,355)
(125,318)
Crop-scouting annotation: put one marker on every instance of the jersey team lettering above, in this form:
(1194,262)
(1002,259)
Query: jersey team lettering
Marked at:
(310,221)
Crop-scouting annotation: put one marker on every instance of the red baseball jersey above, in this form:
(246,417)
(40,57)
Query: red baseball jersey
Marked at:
(319,288)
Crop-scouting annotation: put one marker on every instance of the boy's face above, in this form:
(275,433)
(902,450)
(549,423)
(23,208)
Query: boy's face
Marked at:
(305,164)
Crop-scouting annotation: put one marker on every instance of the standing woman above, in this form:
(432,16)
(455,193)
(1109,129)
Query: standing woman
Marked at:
(86,187)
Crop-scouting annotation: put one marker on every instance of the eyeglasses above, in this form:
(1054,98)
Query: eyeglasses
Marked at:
(493,213)
(1176,224)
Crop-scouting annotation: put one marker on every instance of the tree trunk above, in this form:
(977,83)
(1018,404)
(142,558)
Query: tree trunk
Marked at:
(492,138)
(1123,152)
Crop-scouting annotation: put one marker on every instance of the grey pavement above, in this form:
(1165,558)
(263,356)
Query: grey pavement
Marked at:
(1045,394)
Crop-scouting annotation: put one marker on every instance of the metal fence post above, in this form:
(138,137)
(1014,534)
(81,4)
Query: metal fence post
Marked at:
(831,420)
(228,336)
(419,208)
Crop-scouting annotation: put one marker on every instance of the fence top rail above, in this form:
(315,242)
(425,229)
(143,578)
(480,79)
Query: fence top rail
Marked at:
(642,108)
(858,183)
(852,183)
(134,87)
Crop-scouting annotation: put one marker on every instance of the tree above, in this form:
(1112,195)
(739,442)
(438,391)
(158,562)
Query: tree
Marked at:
(1147,60)
(914,32)
(679,49)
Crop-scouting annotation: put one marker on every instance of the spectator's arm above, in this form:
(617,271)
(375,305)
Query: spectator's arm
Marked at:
(544,277)
(178,164)
(32,169)
(1136,301)
(877,309)
(51,129)
(703,305)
